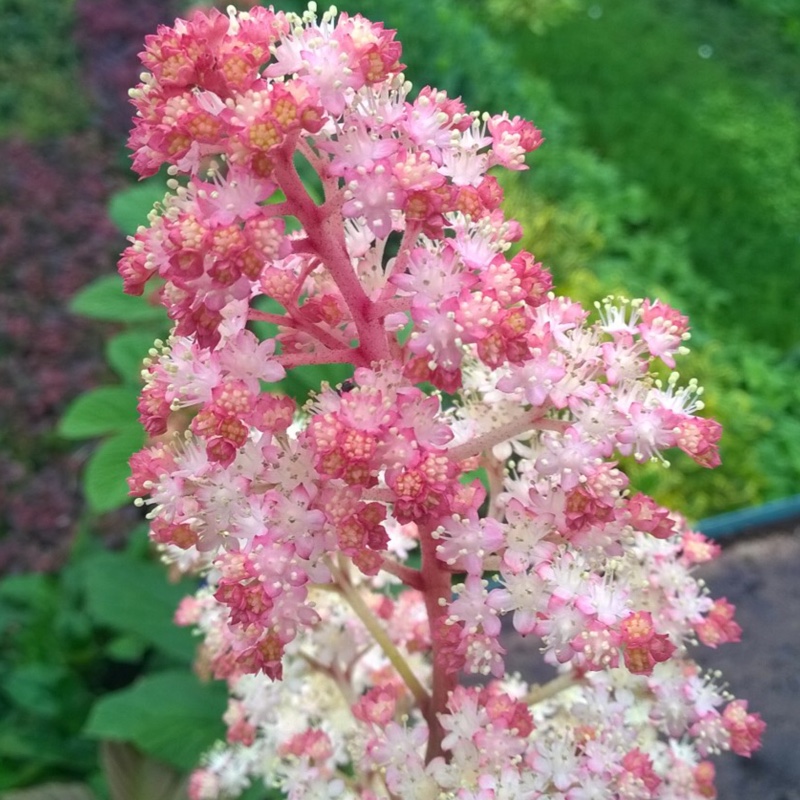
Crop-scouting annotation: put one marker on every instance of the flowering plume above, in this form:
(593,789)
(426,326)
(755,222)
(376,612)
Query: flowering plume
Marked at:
(303,519)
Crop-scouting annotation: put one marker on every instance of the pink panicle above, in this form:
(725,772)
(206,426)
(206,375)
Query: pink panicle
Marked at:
(366,547)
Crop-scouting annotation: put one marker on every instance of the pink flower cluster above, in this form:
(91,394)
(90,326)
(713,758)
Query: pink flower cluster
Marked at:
(310,190)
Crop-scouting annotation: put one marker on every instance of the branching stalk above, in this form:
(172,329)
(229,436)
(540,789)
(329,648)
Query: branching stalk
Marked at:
(409,576)
(539,693)
(322,356)
(437,597)
(382,639)
(325,232)
(522,424)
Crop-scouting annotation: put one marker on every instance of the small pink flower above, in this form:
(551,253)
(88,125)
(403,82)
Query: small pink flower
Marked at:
(745,729)
(719,626)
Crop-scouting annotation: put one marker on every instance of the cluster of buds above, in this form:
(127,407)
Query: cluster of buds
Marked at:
(361,552)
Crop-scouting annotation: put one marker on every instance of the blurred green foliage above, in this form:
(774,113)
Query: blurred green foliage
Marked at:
(72,647)
(721,152)
(537,15)
(39,69)
(785,14)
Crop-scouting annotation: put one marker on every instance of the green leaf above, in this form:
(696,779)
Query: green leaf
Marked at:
(104,480)
(128,647)
(134,597)
(480,474)
(129,208)
(134,776)
(27,740)
(169,715)
(126,351)
(35,687)
(404,334)
(107,409)
(105,299)
(301,381)
(29,590)
(266,330)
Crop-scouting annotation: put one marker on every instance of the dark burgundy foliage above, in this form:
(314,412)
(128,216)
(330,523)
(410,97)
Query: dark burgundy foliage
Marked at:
(55,237)
(109,36)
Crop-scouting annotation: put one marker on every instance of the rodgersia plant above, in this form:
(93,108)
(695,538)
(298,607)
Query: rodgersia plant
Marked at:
(345,653)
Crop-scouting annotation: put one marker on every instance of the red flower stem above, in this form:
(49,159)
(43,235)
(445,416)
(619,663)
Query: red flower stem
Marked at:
(437,598)
(317,162)
(410,577)
(382,308)
(292,321)
(307,270)
(276,209)
(289,360)
(275,319)
(324,228)
(327,339)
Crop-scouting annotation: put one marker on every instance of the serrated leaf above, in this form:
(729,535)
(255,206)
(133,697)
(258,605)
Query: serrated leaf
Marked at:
(105,299)
(104,480)
(52,791)
(132,775)
(135,597)
(129,208)
(169,715)
(107,409)
(126,351)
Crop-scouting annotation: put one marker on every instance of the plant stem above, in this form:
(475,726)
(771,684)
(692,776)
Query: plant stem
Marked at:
(398,266)
(325,232)
(275,319)
(437,598)
(382,308)
(290,360)
(494,472)
(508,430)
(292,320)
(410,577)
(356,601)
(550,689)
